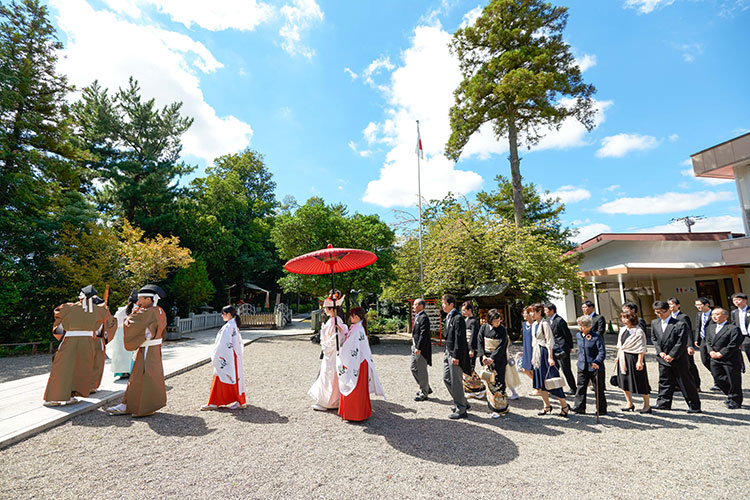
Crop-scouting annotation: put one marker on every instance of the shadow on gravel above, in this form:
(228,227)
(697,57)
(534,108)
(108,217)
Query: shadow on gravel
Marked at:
(256,415)
(170,424)
(440,441)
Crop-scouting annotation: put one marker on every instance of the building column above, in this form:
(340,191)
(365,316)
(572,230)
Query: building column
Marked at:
(742,180)
(622,289)
(596,296)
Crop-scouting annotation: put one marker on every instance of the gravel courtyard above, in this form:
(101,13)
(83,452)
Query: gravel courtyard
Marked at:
(279,448)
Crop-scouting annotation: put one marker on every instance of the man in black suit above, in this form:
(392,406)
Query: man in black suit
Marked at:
(472,330)
(723,341)
(674,310)
(741,319)
(421,350)
(456,361)
(597,320)
(563,344)
(702,320)
(670,338)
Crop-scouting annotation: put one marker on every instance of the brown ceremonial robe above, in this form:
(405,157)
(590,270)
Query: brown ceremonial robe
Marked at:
(146,392)
(73,363)
(102,338)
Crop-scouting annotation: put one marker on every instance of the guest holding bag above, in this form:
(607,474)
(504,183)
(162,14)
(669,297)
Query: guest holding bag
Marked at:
(546,377)
(630,371)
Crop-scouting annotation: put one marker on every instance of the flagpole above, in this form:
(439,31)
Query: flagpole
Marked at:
(419,188)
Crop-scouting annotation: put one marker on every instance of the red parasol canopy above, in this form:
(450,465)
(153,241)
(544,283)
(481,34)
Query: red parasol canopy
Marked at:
(330,260)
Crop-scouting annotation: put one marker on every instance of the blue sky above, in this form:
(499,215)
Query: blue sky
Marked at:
(330,91)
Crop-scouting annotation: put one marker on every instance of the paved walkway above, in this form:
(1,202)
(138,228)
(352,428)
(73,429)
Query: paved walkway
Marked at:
(22,413)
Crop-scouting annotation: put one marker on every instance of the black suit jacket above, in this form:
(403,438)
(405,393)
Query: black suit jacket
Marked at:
(420,334)
(697,330)
(681,316)
(563,337)
(673,341)
(473,325)
(455,340)
(727,342)
(736,320)
(598,325)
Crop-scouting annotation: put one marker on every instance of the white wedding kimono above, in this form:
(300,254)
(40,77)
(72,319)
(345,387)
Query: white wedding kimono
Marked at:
(325,390)
(355,350)
(228,343)
(121,360)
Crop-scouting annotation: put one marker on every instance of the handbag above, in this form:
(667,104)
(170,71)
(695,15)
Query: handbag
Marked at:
(552,383)
(486,374)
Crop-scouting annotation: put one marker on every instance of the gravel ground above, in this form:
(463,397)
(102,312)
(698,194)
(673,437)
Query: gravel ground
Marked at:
(15,367)
(279,448)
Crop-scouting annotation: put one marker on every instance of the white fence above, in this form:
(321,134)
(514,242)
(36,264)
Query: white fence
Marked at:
(194,323)
(281,316)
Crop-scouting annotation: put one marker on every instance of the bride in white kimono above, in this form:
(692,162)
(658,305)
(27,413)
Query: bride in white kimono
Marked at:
(121,359)
(325,390)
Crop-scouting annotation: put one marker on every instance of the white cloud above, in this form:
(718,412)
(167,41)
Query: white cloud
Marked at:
(471,16)
(613,187)
(689,50)
(647,6)
(664,203)
(617,146)
(689,172)
(421,88)
(586,62)
(569,194)
(709,224)
(216,15)
(374,68)
(364,153)
(351,73)
(165,63)
(588,231)
(673,137)
(299,17)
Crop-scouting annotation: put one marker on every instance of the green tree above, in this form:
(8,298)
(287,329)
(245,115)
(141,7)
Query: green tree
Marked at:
(542,212)
(135,150)
(519,76)
(313,226)
(39,180)
(226,219)
(192,286)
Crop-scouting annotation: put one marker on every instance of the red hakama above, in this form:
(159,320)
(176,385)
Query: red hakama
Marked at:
(356,406)
(225,394)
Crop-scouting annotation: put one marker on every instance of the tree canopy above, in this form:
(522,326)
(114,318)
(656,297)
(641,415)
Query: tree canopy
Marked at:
(520,77)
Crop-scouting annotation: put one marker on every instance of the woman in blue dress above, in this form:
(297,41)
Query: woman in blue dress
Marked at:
(543,361)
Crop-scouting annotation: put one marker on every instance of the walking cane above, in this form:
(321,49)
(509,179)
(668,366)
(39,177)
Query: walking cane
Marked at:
(596,389)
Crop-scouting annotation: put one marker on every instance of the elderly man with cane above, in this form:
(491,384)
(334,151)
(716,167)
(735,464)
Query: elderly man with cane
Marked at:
(591,354)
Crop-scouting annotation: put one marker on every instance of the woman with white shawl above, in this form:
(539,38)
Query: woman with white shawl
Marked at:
(325,390)
(228,386)
(121,359)
(631,371)
(357,375)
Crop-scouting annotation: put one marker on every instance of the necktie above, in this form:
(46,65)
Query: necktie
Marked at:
(703,326)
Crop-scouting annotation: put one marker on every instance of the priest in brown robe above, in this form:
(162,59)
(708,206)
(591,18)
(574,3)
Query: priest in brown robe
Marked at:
(143,332)
(72,366)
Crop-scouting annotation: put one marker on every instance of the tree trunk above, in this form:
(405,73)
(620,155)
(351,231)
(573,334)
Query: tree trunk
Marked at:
(515,173)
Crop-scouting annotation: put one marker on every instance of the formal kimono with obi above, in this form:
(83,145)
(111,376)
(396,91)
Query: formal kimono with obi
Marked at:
(143,333)
(325,390)
(228,384)
(72,369)
(357,375)
(492,344)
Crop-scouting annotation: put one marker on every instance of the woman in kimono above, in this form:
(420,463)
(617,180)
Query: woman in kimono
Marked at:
(122,360)
(325,390)
(228,385)
(492,346)
(357,376)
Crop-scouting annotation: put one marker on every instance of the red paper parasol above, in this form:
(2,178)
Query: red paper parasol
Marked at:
(331,260)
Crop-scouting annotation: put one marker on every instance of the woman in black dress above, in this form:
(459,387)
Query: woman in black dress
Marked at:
(632,376)
(492,351)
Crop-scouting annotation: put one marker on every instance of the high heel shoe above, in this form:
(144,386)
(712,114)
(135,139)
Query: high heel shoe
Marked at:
(629,408)
(546,410)
(645,410)
(564,411)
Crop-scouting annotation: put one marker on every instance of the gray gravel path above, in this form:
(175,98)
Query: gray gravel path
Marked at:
(279,448)
(15,367)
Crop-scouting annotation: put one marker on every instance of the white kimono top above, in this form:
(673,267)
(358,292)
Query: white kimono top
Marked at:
(355,350)
(228,343)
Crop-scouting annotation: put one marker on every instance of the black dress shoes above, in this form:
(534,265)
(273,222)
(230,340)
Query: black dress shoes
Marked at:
(579,411)
(647,410)
(716,388)
(420,397)
(629,408)
(732,405)
(694,410)
(455,415)
(663,407)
